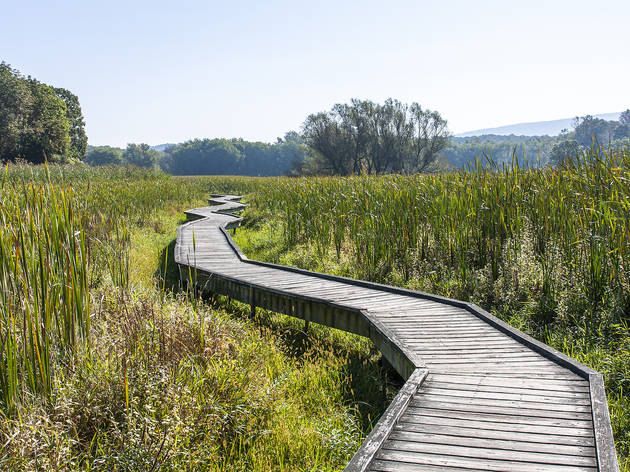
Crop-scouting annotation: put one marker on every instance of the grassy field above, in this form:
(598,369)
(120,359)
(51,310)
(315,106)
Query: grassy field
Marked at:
(547,250)
(106,365)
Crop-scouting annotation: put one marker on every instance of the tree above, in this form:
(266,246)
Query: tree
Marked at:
(234,156)
(589,129)
(78,138)
(35,122)
(46,136)
(104,155)
(330,143)
(622,131)
(625,117)
(141,155)
(15,103)
(363,136)
(563,151)
(430,136)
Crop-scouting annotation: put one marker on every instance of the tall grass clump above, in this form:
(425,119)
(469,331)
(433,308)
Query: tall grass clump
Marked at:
(44,289)
(572,221)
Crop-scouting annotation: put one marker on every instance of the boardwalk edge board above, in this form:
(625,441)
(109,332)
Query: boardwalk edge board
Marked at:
(366,453)
(407,362)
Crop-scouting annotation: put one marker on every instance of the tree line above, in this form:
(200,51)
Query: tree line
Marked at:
(541,150)
(140,155)
(38,122)
(209,156)
(235,157)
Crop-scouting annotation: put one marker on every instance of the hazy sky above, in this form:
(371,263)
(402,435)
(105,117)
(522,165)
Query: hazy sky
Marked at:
(154,71)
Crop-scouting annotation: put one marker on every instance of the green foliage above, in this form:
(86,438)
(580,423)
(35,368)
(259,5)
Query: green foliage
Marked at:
(366,137)
(589,129)
(103,156)
(539,150)
(621,131)
(141,155)
(234,157)
(530,150)
(38,122)
(78,138)
(44,297)
(563,151)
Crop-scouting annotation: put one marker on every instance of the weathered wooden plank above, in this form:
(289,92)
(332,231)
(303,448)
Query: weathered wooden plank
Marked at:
(606,455)
(428,458)
(382,430)
(515,362)
(494,409)
(473,349)
(380,465)
(476,430)
(473,356)
(496,454)
(522,403)
(497,443)
(560,392)
(517,396)
(539,425)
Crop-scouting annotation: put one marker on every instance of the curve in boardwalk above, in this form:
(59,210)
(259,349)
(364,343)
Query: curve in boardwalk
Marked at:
(479,394)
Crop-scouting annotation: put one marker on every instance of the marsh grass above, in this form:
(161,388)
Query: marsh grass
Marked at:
(547,249)
(116,369)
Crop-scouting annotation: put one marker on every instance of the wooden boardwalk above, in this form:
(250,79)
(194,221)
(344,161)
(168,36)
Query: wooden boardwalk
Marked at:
(479,395)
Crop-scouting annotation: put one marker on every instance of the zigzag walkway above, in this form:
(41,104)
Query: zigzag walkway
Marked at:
(479,395)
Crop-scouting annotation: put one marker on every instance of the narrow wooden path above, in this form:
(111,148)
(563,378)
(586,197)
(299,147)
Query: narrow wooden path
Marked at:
(479,394)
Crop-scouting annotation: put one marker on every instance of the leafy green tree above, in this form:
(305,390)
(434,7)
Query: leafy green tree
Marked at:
(234,156)
(625,117)
(141,155)
(104,155)
(46,136)
(367,137)
(563,151)
(15,103)
(332,146)
(35,123)
(589,129)
(78,138)
(529,150)
(622,131)
(430,136)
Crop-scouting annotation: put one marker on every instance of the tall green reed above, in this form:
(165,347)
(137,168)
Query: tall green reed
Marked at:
(574,217)
(44,289)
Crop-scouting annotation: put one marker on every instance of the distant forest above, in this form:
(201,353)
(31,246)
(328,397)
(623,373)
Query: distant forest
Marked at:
(540,150)
(209,156)
(39,122)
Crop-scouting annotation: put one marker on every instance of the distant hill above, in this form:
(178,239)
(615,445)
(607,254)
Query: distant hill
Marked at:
(536,128)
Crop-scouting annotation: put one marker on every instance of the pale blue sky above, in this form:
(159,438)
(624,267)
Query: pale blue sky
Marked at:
(155,71)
